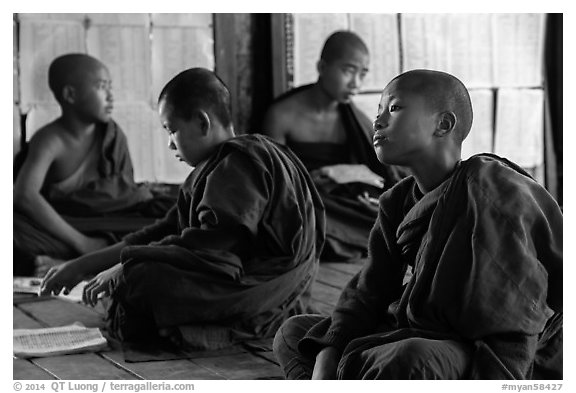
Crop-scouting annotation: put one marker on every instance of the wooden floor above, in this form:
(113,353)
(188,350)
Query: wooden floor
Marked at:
(254,361)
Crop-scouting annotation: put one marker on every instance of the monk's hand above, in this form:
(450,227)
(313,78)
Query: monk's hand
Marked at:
(351,173)
(369,202)
(60,278)
(90,244)
(326,364)
(103,283)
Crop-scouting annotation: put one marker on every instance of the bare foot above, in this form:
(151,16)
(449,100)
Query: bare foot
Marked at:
(43,263)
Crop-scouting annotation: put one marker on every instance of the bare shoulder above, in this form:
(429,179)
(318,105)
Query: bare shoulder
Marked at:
(284,108)
(284,113)
(46,147)
(48,140)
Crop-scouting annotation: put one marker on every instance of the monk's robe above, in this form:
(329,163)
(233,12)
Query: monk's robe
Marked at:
(348,221)
(233,258)
(485,248)
(100,198)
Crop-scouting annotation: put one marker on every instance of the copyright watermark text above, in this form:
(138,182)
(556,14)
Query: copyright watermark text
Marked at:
(519,387)
(105,386)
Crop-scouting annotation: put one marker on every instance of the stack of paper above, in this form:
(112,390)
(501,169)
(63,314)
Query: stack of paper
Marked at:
(32,285)
(61,340)
(27,285)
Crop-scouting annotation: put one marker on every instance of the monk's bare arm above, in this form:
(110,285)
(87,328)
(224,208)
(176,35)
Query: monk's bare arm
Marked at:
(43,151)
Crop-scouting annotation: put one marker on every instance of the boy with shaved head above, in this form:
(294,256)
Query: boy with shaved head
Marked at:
(321,124)
(75,167)
(237,254)
(482,240)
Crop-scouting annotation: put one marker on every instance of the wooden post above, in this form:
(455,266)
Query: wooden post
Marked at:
(279,74)
(225,55)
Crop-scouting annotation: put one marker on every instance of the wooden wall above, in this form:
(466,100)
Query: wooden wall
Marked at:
(251,53)
(499,57)
(142,52)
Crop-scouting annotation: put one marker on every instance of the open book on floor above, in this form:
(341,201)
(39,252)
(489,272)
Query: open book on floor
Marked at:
(56,341)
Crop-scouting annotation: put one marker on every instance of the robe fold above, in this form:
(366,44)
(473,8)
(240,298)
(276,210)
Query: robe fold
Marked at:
(348,221)
(99,199)
(485,248)
(237,254)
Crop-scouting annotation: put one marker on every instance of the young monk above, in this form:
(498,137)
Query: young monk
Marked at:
(483,241)
(238,252)
(78,166)
(333,138)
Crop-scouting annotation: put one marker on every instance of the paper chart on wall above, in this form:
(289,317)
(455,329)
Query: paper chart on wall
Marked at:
(425,41)
(310,32)
(518,47)
(176,49)
(119,19)
(519,133)
(137,120)
(380,33)
(39,115)
(470,51)
(51,17)
(480,139)
(41,42)
(125,50)
(457,44)
(182,20)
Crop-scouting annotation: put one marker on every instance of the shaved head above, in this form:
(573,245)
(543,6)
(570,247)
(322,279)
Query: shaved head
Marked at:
(340,43)
(70,69)
(443,92)
(198,88)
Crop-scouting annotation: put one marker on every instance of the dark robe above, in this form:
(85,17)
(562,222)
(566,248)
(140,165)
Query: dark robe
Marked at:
(486,252)
(106,203)
(233,258)
(348,221)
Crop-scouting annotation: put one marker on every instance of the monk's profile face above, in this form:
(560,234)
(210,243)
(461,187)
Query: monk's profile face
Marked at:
(185,137)
(92,94)
(404,127)
(342,78)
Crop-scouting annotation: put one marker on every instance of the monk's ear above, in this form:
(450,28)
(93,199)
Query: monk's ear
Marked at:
(320,66)
(446,124)
(69,94)
(205,122)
